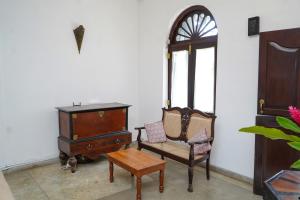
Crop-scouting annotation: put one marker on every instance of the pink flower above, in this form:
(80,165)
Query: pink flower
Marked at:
(295,114)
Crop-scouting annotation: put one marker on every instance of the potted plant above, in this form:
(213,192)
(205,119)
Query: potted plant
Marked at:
(276,134)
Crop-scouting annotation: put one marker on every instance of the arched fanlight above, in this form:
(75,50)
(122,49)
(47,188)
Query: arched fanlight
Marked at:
(196,26)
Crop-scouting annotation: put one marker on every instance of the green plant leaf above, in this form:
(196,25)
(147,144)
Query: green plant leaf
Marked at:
(296,165)
(271,133)
(288,124)
(295,145)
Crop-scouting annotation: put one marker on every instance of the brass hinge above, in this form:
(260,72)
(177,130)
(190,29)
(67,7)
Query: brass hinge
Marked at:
(168,56)
(168,103)
(74,116)
(190,49)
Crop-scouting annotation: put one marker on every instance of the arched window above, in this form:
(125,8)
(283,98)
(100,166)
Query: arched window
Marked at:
(192,56)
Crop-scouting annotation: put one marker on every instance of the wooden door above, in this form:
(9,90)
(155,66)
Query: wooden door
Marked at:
(279,76)
(278,88)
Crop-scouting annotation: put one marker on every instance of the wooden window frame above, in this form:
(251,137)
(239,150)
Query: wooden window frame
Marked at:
(193,44)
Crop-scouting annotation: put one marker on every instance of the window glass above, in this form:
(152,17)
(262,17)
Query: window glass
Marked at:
(205,80)
(179,78)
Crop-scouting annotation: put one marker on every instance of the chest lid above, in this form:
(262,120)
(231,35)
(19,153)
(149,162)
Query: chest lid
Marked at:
(92,107)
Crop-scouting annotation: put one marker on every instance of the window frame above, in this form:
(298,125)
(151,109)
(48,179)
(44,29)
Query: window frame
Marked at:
(190,45)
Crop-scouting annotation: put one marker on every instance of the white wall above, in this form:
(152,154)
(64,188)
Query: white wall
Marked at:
(1,108)
(237,67)
(41,67)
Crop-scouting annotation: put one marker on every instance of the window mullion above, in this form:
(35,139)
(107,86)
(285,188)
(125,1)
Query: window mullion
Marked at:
(191,76)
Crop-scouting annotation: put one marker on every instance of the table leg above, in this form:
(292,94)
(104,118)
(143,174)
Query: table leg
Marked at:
(161,181)
(138,188)
(111,171)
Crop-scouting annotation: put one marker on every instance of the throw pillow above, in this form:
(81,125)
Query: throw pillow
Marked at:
(200,148)
(155,132)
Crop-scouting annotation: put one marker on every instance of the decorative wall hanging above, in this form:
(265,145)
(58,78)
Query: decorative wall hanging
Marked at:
(79,33)
(253,26)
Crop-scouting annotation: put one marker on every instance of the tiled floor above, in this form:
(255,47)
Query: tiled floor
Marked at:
(90,182)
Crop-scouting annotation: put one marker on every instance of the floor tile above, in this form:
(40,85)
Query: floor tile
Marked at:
(90,182)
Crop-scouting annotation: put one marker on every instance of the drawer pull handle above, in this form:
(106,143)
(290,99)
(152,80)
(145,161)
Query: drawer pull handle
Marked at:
(117,141)
(89,147)
(101,113)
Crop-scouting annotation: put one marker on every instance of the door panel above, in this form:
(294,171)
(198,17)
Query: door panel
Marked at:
(280,77)
(279,68)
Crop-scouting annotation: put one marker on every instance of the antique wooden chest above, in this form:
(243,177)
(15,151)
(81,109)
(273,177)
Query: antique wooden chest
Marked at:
(90,130)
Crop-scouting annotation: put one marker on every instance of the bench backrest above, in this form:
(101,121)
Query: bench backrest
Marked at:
(183,123)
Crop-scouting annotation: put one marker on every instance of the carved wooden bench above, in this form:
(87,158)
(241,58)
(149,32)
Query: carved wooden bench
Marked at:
(181,125)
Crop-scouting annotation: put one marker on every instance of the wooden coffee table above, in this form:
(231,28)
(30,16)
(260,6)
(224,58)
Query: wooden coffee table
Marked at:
(137,163)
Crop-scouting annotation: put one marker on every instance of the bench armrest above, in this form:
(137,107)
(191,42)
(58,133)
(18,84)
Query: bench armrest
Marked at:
(201,141)
(139,133)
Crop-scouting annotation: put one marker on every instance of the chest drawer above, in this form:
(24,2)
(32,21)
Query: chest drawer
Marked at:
(100,145)
(89,124)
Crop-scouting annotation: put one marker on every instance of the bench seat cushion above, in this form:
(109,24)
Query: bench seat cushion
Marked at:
(180,150)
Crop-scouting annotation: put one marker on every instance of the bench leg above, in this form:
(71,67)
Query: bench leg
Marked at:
(207,169)
(138,188)
(191,174)
(111,171)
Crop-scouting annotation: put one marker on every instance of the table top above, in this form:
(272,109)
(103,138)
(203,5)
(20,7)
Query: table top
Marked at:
(284,185)
(91,107)
(134,159)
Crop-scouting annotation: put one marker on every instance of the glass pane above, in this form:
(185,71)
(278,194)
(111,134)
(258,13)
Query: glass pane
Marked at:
(182,32)
(180,38)
(186,28)
(204,79)
(200,21)
(190,23)
(195,19)
(206,20)
(179,78)
(209,26)
(211,33)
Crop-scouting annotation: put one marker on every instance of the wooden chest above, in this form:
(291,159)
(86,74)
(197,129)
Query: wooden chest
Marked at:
(91,130)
